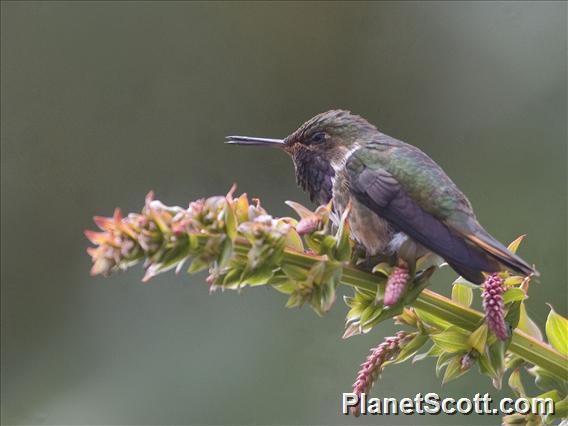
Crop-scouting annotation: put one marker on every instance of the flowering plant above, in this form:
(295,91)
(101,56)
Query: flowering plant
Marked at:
(307,258)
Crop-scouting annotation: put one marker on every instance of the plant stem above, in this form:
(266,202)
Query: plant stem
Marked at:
(533,351)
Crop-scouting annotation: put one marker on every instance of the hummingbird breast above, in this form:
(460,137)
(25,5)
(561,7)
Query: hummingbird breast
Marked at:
(370,230)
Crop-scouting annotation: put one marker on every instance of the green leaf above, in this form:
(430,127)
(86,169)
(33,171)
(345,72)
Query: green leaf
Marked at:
(411,348)
(328,246)
(342,237)
(175,256)
(496,354)
(462,294)
(383,268)
(512,318)
(294,272)
(485,365)
(317,272)
(513,280)
(294,241)
(193,243)
(287,287)
(327,297)
(527,325)
(230,221)
(560,411)
(478,339)
(513,295)
(226,252)
(233,278)
(513,361)
(553,394)
(434,351)
(370,313)
(557,331)
(453,370)
(516,384)
(432,320)
(257,276)
(313,242)
(546,381)
(516,243)
(442,361)
(452,340)
(197,265)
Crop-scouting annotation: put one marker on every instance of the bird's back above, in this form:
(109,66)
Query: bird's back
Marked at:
(419,176)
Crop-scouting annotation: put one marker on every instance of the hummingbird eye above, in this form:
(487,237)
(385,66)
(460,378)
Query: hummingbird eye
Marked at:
(318,137)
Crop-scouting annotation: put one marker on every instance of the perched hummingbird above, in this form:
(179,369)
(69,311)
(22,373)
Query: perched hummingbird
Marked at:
(401,200)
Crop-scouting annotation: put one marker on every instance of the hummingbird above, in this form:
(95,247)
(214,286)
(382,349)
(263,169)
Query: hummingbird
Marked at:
(402,203)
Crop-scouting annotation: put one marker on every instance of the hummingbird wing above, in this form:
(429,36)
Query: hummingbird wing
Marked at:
(404,186)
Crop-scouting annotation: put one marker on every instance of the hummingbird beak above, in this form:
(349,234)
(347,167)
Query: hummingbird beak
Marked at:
(247,140)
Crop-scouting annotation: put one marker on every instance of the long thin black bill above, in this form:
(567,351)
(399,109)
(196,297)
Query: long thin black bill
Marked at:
(248,140)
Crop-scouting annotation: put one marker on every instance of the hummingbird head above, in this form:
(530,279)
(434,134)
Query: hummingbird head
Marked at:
(318,148)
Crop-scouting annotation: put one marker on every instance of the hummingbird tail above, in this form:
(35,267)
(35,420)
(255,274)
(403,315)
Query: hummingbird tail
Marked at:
(502,254)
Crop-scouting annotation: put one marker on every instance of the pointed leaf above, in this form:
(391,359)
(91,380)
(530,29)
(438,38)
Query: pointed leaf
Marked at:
(432,320)
(546,381)
(434,351)
(300,210)
(452,340)
(453,370)
(257,276)
(197,265)
(383,268)
(411,347)
(513,295)
(230,221)
(294,272)
(351,330)
(442,361)
(527,325)
(516,243)
(287,287)
(478,338)
(496,353)
(560,412)
(462,294)
(512,318)
(294,241)
(513,280)
(557,331)
(516,384)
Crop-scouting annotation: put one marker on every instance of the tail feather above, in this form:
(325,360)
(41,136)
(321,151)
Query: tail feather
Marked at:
(498,251)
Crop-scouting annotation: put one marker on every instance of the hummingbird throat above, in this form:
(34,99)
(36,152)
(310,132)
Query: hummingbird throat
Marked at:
(316,171)
(315,175)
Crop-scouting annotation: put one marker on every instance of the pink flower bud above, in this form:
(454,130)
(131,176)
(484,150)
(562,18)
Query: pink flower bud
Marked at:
(308,225)
(373,365)
(494,307)
(396,285)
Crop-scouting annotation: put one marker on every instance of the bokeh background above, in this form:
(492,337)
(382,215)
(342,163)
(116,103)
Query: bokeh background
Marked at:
(104,101)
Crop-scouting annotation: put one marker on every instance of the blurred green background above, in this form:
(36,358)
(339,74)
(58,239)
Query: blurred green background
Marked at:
(102,102)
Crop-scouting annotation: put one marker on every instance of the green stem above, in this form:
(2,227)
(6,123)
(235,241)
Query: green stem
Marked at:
(533,351)
(523,345)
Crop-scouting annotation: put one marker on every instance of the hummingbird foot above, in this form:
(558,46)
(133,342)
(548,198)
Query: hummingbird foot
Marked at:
(397,285)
